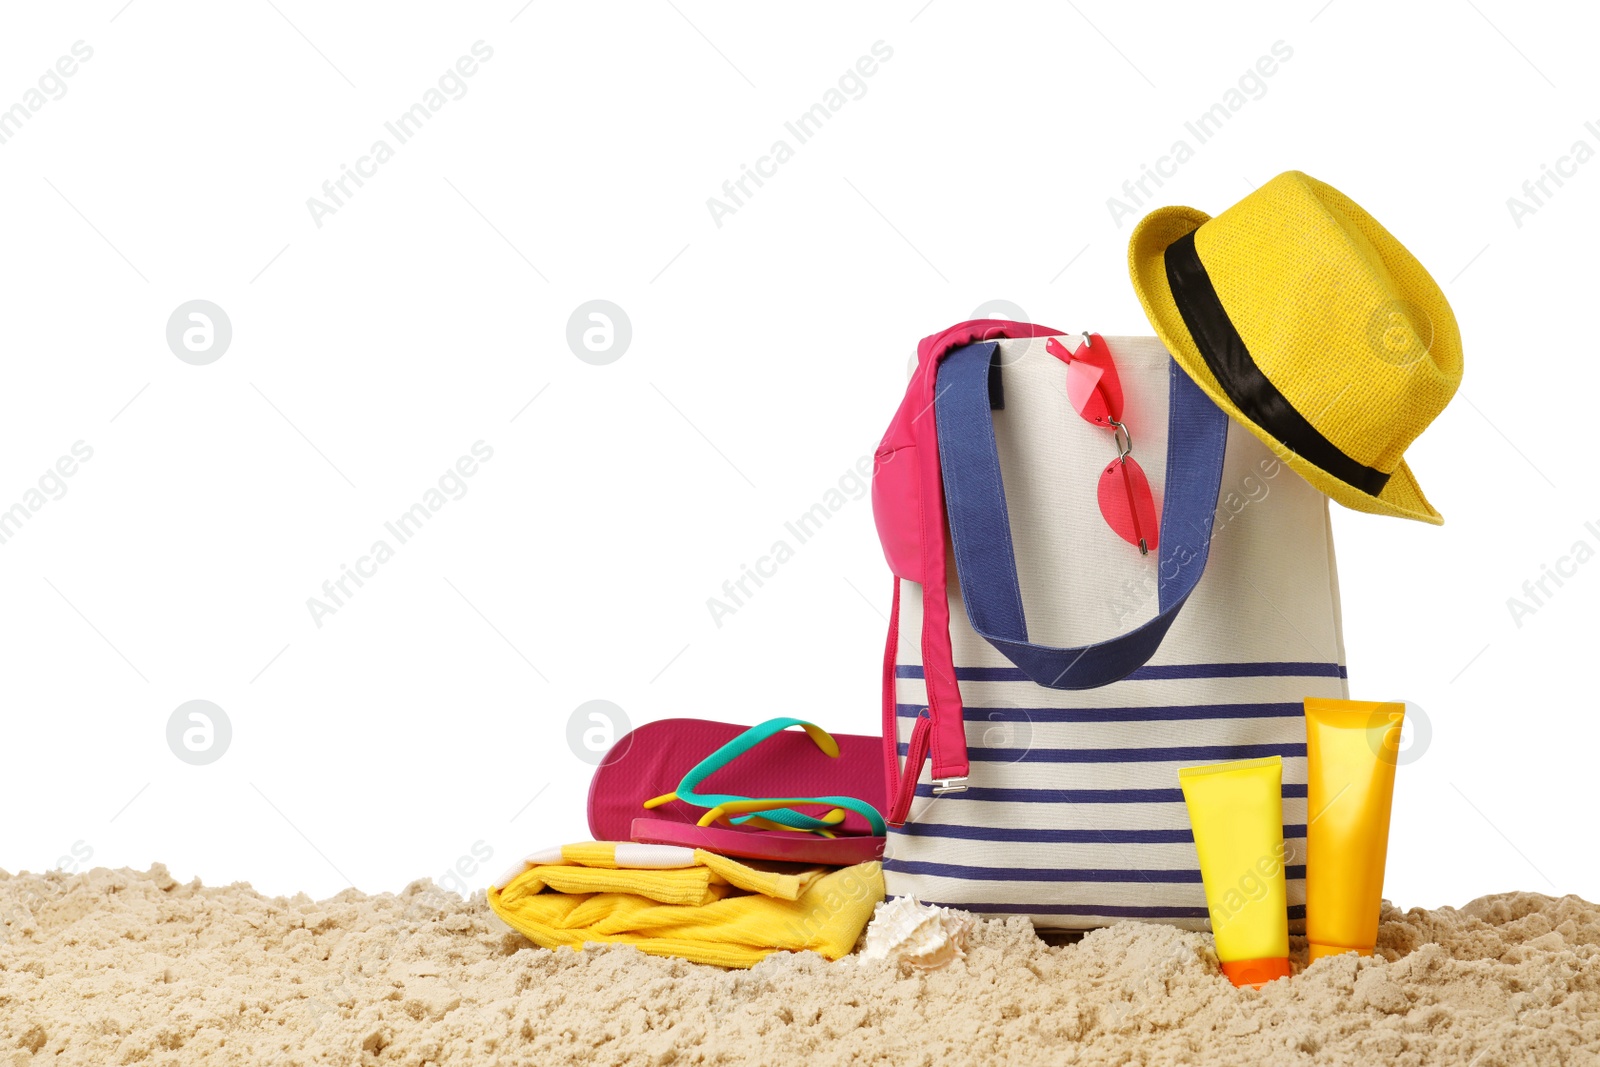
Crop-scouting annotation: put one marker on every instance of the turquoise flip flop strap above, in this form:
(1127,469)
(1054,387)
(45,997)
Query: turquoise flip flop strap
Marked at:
(784,816)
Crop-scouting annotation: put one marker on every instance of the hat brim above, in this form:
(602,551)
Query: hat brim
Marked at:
(1401,497)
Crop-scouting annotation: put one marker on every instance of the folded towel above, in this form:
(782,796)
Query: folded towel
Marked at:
(672,901)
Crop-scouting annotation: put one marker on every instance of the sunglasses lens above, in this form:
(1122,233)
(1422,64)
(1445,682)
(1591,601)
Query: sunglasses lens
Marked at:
(1083,389)
(1095,391)
(1127,503)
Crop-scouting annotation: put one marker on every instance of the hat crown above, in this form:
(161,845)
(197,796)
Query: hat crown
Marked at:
(1337,315)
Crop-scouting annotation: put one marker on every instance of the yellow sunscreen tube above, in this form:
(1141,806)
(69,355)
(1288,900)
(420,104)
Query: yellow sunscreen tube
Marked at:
(1236,811)
(1351,747)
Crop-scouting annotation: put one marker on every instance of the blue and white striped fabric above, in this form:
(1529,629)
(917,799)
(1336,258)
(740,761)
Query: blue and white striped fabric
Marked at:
(1073,815)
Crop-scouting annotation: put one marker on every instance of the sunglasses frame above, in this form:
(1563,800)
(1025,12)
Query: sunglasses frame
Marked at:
(1092,356)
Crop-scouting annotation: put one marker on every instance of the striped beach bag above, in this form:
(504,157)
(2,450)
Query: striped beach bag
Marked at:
(1044,681)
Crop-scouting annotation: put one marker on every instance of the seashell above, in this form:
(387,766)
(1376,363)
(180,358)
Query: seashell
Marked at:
(916,936)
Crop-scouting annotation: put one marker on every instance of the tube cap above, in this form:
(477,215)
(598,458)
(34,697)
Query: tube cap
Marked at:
(1256,973)
(1319,951)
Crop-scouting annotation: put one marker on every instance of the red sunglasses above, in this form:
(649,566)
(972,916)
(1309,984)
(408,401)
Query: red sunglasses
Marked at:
(1096,393)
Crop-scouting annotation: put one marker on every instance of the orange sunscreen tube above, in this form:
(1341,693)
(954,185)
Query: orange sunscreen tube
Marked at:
(1352,747)
(1236,810)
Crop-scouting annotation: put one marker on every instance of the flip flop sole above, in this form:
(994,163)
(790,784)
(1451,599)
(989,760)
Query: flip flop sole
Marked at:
(782,846)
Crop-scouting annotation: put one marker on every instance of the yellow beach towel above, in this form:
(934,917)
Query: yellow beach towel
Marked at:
(685,902)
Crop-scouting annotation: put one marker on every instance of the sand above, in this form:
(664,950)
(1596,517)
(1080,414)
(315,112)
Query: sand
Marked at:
(121,967)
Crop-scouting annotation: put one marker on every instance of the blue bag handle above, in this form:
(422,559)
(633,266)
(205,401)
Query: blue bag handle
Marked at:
(980,529)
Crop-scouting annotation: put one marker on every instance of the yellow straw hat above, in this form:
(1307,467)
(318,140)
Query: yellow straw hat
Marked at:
(1312,327)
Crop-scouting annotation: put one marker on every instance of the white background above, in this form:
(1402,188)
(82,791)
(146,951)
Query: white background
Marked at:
(767,356)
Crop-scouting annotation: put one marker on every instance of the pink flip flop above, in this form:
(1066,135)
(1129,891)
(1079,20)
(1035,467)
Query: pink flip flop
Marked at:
(653,759)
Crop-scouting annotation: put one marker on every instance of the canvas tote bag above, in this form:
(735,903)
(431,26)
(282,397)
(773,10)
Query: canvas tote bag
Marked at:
(1200,652)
